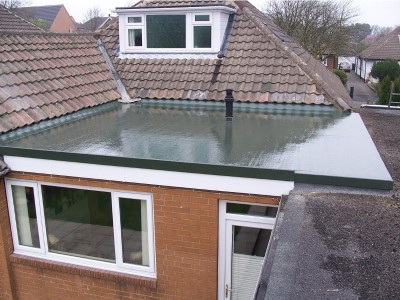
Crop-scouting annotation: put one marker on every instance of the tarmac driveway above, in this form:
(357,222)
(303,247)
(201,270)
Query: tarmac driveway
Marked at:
(363,94)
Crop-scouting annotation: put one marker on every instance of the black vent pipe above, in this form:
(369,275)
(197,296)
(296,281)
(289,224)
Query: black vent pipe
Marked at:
(229,104)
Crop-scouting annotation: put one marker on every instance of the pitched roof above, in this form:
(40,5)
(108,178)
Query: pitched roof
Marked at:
(93,24)
(43,76)
(47,13)
(12,22)
(262,64)
(385,47)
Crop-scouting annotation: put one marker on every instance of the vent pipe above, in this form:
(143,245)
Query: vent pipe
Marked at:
(229,104)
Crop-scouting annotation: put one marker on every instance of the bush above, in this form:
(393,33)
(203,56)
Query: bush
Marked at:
(389,67)
(342,75)
(384,91)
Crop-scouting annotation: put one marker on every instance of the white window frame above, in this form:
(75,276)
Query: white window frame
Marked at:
(43,251)
(140,26)
(214,22)
(199,24)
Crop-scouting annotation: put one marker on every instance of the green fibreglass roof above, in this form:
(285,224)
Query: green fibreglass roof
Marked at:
(303,143)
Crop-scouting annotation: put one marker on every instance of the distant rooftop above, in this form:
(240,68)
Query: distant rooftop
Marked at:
(47,13)
(12,22)
(313,144)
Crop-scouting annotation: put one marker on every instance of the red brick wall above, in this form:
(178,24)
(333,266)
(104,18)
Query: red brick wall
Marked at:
(63,22)
(6,247)
(186,238)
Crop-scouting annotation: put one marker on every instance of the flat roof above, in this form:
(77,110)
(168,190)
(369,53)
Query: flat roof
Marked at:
(301,143)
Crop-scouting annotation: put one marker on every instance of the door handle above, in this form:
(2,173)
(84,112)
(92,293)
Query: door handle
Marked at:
(227,290)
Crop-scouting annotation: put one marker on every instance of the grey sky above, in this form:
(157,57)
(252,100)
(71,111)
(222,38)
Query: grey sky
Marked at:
(373,12)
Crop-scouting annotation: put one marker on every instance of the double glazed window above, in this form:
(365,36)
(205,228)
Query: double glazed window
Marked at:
(169,31)
(99,228)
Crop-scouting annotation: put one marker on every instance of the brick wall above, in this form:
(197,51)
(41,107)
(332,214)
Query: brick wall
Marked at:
(63,22)
(186,239)
(6,247)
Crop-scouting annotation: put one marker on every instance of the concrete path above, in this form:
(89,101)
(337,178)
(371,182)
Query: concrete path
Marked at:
(362,92)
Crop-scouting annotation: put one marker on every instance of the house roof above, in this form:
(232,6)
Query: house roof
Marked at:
(299,143)
(43,76)
(47,13)
(262,64)
(93,24)
(386,47)
(12,22)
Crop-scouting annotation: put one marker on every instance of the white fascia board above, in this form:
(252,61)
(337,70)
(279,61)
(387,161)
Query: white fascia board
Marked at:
(124,11)
(209,182)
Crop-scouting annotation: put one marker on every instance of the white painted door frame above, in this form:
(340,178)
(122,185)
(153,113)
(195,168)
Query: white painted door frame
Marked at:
(226,223)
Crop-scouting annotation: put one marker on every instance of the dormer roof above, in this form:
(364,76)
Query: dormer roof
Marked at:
(261,64)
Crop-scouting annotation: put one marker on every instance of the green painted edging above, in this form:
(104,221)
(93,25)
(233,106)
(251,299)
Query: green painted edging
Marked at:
(220,170)
(344,181)
(257,173)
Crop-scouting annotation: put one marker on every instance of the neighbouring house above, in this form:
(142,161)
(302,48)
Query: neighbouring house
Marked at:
(387,47)
(150,160)
(12,22)
(56,17)
(93,24)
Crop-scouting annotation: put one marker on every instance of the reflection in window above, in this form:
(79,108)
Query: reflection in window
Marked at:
(79,222)
(166,31)
(202,36)
(134,231)
(253,210)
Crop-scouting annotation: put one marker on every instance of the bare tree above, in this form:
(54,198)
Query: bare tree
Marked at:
(93,18)
(13,4)
(320,26)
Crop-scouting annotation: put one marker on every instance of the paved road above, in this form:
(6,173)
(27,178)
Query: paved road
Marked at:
(362,92)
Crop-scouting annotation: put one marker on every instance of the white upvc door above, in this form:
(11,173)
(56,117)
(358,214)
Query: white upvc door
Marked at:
(243,241)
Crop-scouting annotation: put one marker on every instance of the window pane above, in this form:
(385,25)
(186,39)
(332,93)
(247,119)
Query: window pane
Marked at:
(135,37)
(253,210)
(202,36)
(135,245)
(79,222)
(202,18)
(250,241)
(166,31)
(25,216)
(135,20)
(249,246)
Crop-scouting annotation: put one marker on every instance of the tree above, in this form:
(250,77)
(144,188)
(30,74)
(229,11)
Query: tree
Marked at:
(320,26)
(93,18)
(360,31)
(13,4)
(389,68)
(40,23)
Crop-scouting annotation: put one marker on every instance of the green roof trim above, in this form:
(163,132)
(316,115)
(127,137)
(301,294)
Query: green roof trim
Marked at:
(256,173)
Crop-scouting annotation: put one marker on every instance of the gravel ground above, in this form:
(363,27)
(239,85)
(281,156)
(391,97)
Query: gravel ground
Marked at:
(340,243)
(384,128)
(363,237)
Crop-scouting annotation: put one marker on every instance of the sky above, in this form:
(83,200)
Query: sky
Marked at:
(374,12)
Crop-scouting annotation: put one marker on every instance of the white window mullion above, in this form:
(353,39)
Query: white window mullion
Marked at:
(41,220)
(117,230)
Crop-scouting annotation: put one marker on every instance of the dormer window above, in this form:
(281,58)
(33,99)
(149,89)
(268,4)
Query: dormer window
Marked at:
(172,30)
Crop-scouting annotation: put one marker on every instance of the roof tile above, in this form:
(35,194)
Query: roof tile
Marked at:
(39,72)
